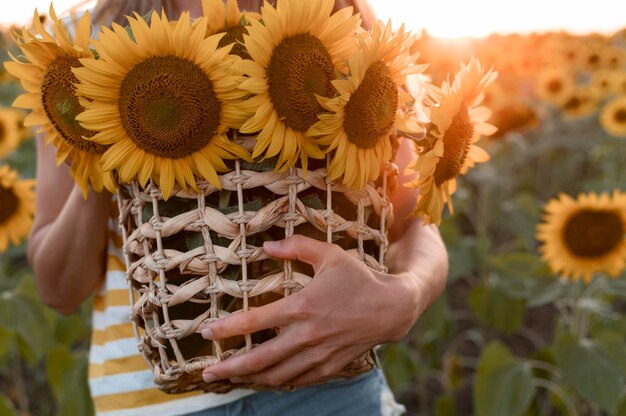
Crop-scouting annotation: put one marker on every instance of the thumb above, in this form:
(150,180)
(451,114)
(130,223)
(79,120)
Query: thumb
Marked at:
(299,247)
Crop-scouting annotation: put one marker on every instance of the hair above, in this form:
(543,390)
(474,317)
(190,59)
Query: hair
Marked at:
(115,11)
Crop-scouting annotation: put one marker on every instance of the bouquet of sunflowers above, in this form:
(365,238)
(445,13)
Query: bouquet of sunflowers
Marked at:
(235,128)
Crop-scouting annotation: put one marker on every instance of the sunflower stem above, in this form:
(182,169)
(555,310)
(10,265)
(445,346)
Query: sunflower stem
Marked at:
(548,368)
(559,392)
(582,314)
(566,314)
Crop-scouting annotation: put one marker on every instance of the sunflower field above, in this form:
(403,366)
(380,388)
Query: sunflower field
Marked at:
(520,144)
(42,353)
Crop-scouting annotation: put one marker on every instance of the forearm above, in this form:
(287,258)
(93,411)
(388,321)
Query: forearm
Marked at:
(68,254)
(420,259)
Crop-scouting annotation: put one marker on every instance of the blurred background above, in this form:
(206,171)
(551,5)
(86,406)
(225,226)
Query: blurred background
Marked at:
(509,336)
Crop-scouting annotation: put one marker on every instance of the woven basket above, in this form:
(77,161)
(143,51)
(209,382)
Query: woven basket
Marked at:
(192,260)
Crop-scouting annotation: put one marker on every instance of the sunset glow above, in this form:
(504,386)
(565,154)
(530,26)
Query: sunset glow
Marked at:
(479,18)
(450,19)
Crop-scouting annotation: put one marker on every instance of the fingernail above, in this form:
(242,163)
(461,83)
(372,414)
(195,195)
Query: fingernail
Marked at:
(207,333)
(209,377)
(271,244)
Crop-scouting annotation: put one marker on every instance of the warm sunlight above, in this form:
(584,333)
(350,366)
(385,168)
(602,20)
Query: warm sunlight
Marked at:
(481,17)
(445,18)
(21,12)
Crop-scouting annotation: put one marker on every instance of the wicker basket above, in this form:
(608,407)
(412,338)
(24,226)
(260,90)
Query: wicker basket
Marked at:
(197,258)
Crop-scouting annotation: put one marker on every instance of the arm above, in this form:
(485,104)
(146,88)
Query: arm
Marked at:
(67,244)
(332,321)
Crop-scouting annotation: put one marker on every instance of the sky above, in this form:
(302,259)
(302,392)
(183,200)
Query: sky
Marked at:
(447,18)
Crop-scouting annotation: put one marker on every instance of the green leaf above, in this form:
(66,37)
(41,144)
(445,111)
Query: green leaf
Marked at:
(264,165)
(545,291)
(462,258)
(598,307)
(67,376)
(616,287)
(7,344)
(399,364)
(26,318)
(6,406)
(434,323)
(59,364)
(503,384)
(253,205)
(594,367)
(169,209)
(620,410)
(520,265)
(520,273)
(76,397)
(496,309)
(313,201)
(70,329)
(445,405)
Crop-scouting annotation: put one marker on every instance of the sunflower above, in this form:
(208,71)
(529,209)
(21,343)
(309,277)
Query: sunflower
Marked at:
(620,82)
(613,116)
(229,20)
(17,207)
(584,236)
(512,115)
(51,96)
(615,58)
(10,132)
(554,85)
(368,109)
(569,51)
(5,77)
(593,55)
(456,124)
(605,81)
(163,102)
(295,55)
(582,101)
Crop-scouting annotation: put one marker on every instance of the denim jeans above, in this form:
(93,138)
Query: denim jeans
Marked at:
(364,395)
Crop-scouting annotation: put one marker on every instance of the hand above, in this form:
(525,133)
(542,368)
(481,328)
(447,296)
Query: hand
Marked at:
(343,312)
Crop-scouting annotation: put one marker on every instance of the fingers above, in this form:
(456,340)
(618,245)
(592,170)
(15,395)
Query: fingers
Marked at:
(301,248)
(254,361)
(288,368)
(326,370)
(267,316)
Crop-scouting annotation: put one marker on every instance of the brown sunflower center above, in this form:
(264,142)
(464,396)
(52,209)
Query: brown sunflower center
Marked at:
(299,68)
(594,59)
(9,204)
(554,86)
(620,115)
(573,103)
(371,111)
(593,233)
(59,101)
(168,106)
(234,34)
(3,131)
(456,144)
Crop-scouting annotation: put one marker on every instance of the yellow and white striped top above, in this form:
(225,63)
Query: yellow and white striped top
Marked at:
(120,379)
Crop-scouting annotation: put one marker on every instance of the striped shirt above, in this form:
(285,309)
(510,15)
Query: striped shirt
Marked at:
(120,379)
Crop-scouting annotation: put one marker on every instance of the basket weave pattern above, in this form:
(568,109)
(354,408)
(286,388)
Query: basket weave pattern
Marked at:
(174,293)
